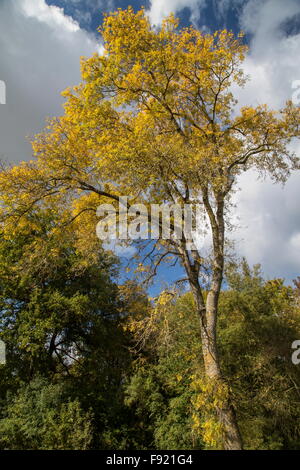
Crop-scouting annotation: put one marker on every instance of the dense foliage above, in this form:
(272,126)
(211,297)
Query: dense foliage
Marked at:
(91,364)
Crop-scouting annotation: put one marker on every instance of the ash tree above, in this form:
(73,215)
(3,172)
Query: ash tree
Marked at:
(155,119)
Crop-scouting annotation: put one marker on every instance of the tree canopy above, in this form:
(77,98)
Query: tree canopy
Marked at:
(155,119)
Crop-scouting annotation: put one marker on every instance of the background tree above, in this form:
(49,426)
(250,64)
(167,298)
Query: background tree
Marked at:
(156,119)
(258,321)
(67,353)
(42,417)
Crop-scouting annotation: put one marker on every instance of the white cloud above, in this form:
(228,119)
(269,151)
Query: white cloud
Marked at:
(159,9)
(273,61)
(269,214)
(269,225)
(222,7)
(48,14)
(40,53)
(120,249)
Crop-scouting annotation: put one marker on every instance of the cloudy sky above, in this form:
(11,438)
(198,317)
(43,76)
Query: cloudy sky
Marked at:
(41,43)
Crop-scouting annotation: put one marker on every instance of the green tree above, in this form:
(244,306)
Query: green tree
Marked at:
(258,323)
(259,320)
(42,417)
(156,119)
(52,297)
(61,318)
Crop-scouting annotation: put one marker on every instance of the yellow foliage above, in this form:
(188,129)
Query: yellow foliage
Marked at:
(211,396)
(153,111)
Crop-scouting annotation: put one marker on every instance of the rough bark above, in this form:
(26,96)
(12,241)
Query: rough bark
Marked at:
(208,321)
(208,312)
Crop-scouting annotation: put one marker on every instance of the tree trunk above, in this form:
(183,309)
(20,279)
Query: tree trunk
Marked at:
(208,315)
(226,413)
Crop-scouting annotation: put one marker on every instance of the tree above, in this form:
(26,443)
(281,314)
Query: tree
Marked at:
(42,417)
(61,316)
(156,119)
(54,302)
(167,345)
(258,321)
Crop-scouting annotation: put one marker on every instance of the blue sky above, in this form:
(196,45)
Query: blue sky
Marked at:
(89,13)
(212,14)
(41,42)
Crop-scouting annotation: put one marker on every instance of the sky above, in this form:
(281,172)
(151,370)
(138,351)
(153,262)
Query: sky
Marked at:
(41,43)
